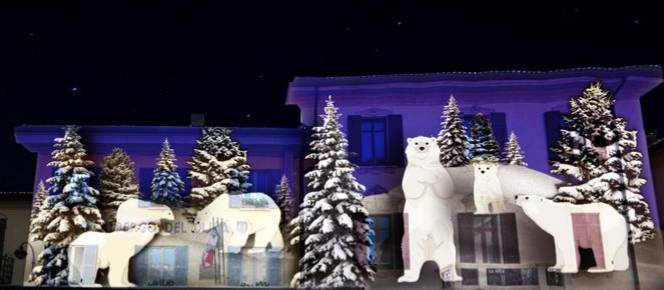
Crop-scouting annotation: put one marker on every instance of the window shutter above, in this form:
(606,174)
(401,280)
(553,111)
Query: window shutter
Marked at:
(274,259)
(499,126)
(181,265)
(510,239)
(354,137)
(140,265)
(145,182)
(552,120)
(466,237)
(234,268)
(395,140)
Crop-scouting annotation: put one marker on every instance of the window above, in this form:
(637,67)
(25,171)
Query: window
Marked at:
(255,270)
(498,126)
(84,267)
(386,250)
(470,277)
(161,266)
(264,180)
(376,140)
(511,277)
(554,279)
(490,238)
(553,121)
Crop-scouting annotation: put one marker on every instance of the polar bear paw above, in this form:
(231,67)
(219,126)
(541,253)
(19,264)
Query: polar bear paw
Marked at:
(407,278)
(450,276)
(599,270)
(555,269)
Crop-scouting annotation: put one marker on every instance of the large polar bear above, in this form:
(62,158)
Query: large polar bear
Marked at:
(609,244)
(133,212)
(428,229)
(98,250)
(243,215)
(487,191)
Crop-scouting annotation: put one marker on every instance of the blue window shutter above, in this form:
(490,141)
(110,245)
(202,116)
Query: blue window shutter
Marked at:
(181,262)
(354,137)
(395,139)
(140,266)
(145,182)
(552,121)
(234,269)
(274,259)
(499,126)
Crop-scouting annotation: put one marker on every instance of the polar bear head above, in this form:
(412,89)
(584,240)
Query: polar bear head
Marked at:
(422,150)
(533,205)
(485,168)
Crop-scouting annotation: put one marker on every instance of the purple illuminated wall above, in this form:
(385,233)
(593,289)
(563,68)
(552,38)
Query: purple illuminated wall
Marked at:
(269,149)
(523,97)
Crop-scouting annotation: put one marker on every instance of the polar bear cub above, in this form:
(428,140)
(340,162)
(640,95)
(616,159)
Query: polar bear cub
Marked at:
(428,230)
(487,190)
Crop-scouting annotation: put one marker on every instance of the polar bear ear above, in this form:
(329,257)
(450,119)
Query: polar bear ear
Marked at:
(409,140)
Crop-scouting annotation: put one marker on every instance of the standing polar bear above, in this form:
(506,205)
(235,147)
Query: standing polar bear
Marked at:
(575,226)
(487,190)
(428,229)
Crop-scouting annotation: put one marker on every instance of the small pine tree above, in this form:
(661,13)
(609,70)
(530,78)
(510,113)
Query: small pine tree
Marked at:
(597,155)
(38,199)
(52,269)
(483,145)
(117,183)
(452,138)
(282,194)
(513,153)
(167,187)
(333,222)
(70,209)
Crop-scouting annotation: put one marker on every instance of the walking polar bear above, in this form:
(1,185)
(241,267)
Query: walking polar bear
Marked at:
(559,219)
(428,229)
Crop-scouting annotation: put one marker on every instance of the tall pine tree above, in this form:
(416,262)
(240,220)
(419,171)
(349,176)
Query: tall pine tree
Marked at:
(597,154)
(452,136)
(117,183)
(282,195)
(167,187)
(483,145)
(513,153)
(218,167)
(334,223)
(70,209)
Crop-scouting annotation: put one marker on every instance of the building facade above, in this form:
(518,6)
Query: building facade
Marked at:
(379,113)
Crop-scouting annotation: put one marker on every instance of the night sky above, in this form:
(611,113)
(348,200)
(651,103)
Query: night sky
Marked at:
(155,62)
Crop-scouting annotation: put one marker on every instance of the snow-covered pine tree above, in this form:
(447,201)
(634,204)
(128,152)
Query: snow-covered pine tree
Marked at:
(167,187)
(117,183)
(452,138)
(70,209)
(598,155)
(37,200)
(334,223)
(282,195)
(218,166)
(513,153)
(482,143)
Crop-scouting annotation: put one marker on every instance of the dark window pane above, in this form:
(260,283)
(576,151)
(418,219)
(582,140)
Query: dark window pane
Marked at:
(470,277)
(466,237)
(554,279)
(513,277)
(379,125)
(367,126)
(529,276)
(495,277)
(367,150)
(510,241)
(379,146)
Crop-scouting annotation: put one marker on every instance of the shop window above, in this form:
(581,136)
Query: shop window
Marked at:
(488,238)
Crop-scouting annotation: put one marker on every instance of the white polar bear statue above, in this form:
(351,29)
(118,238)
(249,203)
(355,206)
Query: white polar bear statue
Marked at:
(243,215)
(133,212)
(98,250)
(487,190)
(428,229)
(575,226)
